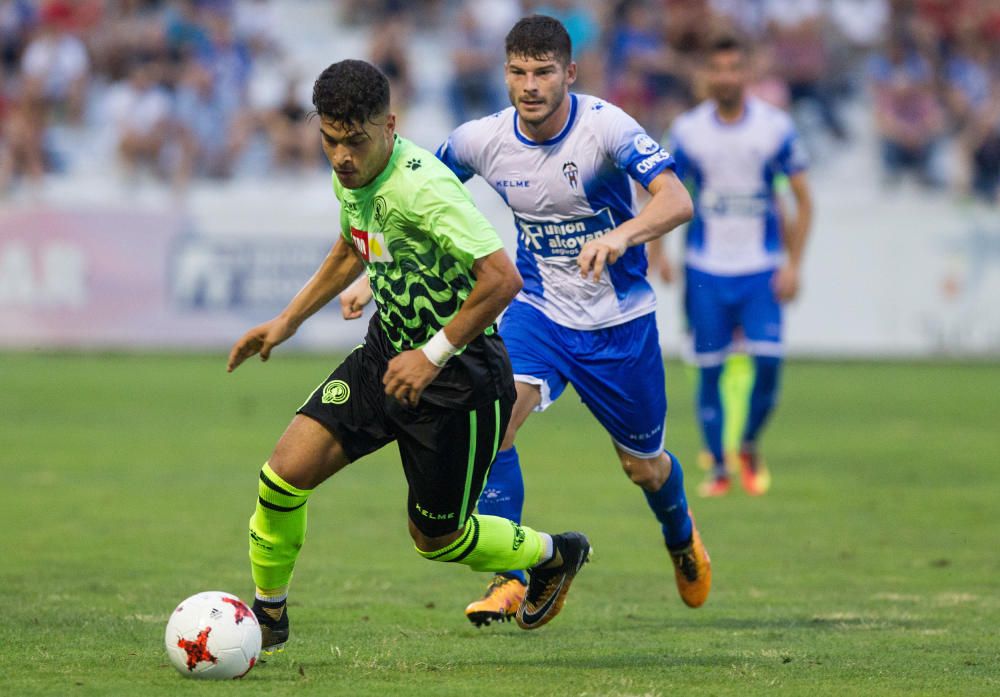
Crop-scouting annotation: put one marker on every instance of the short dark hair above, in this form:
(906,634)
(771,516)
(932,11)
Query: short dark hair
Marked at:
(540,37)
(726,42)
(351,92)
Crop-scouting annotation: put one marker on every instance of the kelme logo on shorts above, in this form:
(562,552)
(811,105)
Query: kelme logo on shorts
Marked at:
(336,392)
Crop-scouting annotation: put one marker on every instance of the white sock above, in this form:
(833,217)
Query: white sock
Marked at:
(271,598)
(548,549)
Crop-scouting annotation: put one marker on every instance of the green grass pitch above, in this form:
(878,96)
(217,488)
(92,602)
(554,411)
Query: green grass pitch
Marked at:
(872,568)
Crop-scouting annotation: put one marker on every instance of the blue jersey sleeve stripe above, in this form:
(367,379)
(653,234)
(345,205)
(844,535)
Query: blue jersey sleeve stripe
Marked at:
(791,157)
(682,163)
(662,166)
(446,154)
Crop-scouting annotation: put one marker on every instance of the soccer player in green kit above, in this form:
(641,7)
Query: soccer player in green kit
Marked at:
(432,374)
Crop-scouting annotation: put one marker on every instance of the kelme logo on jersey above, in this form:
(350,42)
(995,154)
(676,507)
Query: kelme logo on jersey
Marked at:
(336,392)
(572,174)
(563,238)
(371,245)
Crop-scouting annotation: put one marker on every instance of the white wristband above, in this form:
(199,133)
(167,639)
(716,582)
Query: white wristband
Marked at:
(438,350)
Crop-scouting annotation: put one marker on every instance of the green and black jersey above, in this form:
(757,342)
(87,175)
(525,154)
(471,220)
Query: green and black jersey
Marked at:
(419,234)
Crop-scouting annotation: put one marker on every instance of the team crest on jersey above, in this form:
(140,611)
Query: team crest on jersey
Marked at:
(379,207)
(572,174)
(371,245)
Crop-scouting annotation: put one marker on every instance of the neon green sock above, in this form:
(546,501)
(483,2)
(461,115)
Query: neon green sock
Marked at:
(735,386)
(491,543)
(277,530)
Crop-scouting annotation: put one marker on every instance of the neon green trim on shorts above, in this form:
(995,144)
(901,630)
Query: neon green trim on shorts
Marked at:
(496,430)
(469,469)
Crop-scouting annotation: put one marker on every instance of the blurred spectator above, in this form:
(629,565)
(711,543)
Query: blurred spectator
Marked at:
(984,145)
(940,89)
(185,34)
(967,79)
(127,32)
(55,64)
(908,117)
(211,131)
(256,23)
(631,92)
(294,141)
(22,135)
(389,52)
(585,34)
(765,82)
(796,35)
(742,17)
(580,23)
(140,111)
(17,18)
(638,44)
(862,23)
(229,61)
(474,90)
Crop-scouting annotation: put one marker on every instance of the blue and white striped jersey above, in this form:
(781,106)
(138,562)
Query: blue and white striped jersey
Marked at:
(732,167)
(565,191)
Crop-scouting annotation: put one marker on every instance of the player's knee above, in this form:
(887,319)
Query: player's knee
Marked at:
(646,473)
(427,541)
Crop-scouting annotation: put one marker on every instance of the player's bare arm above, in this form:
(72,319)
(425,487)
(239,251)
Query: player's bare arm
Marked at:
(669,206)
(786,282)
(355,297)
(497,282)
(341,266)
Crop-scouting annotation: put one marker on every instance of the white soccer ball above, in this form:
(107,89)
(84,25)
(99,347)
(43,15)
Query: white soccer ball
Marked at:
(213,635)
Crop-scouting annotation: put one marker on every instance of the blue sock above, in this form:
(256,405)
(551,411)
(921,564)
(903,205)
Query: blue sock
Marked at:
(710,414)
(670,506)
(764,396)
(503,494)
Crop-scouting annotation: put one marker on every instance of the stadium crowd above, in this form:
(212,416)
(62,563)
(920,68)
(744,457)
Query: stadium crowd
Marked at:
(174,83)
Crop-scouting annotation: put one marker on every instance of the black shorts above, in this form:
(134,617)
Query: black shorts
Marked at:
(446,450)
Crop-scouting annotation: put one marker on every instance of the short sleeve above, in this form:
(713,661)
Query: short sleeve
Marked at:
(631,148)
(792,157)
(457,154)
(443,208)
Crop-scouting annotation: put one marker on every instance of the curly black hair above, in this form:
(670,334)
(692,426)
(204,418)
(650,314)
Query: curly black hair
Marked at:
(540,37)
(351,92)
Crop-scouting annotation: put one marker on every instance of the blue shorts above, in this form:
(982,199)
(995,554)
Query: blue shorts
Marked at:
(716,306)
(618,372)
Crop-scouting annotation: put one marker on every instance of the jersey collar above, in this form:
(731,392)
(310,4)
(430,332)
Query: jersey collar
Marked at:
(554,139)
(732,124)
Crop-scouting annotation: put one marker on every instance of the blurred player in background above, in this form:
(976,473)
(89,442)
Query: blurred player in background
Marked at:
(432,375)
(741,262)
(586,314)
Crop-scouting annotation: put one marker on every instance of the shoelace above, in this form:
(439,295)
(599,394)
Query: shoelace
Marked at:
(687,563)
(497,582)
